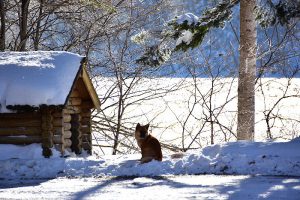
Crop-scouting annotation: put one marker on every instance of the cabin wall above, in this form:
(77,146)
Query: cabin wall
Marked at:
(67,128)
(78,111)
(47,130)
(27,128)
(72,112)
(58,130)
(86,126)
(21,128)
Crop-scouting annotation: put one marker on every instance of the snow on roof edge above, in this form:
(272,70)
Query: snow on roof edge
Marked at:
(32,79)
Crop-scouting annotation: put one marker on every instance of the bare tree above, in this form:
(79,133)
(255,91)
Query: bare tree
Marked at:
(2,26)
(115,122)
(23,24)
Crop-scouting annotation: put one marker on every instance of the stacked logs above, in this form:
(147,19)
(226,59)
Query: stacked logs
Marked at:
(67,125)
(72,123)
(86,127)
(58,127)
(76,133)
(47,131)
(67,128)
(20,128)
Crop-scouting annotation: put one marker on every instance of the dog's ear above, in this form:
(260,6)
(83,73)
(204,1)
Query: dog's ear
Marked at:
(138,125)
(147,126)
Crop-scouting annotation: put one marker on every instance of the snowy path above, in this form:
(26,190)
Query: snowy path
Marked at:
(176,187)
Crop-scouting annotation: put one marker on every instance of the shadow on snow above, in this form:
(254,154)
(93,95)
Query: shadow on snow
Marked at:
(253,187)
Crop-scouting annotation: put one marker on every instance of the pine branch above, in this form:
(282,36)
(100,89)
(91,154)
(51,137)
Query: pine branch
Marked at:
(212,18)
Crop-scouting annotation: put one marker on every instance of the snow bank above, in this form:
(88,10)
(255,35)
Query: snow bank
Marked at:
(190,18)
(36,78)
(266,158)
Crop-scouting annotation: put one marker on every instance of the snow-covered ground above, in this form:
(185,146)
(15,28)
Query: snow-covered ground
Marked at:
(178,187)
(244,158)
(243,170)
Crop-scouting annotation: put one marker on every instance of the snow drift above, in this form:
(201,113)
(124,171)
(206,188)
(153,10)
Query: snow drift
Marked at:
(265,158)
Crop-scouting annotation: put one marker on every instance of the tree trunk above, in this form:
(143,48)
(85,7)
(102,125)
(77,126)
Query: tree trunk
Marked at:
(247,71)
(38,27)
(120,113)
(2,26)
(23,24)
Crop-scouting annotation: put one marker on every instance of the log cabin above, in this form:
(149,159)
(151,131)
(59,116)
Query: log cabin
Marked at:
(46,98)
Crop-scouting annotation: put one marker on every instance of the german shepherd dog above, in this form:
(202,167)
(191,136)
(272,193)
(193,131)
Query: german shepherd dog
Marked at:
(149,145)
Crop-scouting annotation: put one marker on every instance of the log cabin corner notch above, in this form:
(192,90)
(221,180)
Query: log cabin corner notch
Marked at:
(47,98)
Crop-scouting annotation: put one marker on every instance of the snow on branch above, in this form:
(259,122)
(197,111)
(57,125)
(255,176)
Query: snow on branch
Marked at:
(188,30)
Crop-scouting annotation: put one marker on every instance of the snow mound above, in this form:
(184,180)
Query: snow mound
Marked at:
(190,18)
(33,152)
(186,37)
(264,158)
(36,78)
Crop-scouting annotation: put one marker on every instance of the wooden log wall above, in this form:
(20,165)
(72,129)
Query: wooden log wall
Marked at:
(62,130)
(21,128)
(58,130)
(76,133)
(47,131)
(67,128)
(86,128)
(72,123)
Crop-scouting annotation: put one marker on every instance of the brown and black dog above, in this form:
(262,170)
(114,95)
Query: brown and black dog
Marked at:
(149,145)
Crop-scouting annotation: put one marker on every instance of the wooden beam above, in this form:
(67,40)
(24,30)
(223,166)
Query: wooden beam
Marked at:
(76,134)
(20,131)
(67,118)
(67,126)
(58,139)
(87,138)
(90,88)
(86,129)
(87,104)
(86,121)
(58,122)
(86,113)
(87,146)
(20,140)
(47,131)
(75,93)
(74,101)
(23,122)
(58,130)
(67,134)
(58,114)
(72,110)
(30,115)
(68,143)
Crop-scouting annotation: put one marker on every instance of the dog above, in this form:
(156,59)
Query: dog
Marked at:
(149,145)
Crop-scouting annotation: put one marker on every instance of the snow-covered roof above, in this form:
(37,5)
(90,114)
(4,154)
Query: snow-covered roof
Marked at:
(36,78)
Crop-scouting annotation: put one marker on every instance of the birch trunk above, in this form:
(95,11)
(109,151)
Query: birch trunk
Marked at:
(247,71)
